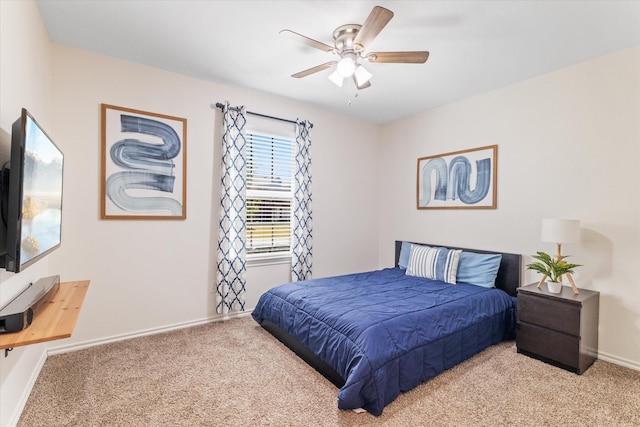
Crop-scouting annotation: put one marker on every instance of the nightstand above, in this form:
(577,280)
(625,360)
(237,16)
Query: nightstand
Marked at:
(560,329)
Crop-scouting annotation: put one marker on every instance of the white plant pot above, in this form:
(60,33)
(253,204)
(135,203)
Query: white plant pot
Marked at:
(554,287)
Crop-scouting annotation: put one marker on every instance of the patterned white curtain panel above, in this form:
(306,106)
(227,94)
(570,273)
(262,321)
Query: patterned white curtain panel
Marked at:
(302,242)
(232,255)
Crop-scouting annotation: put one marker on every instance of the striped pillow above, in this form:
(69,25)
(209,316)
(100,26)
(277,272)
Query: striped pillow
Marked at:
(433,263)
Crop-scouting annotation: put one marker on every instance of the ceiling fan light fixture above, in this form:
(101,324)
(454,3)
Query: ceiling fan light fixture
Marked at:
(346,66)
(336,78)
(362,75)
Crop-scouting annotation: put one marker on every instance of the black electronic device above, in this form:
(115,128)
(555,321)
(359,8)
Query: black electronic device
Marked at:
(19,313)
(30,196)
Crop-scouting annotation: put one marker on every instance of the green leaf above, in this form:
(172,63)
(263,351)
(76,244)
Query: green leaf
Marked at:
(551,267)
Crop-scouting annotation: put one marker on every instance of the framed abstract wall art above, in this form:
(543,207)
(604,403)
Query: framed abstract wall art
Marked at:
(144,162)
(464,179)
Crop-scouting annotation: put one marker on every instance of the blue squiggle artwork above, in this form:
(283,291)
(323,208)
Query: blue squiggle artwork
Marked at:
(440,167)
(119,182)
(453,182)
(459,180)
(147,166)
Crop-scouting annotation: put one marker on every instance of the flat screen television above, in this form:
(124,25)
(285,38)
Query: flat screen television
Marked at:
(31,200)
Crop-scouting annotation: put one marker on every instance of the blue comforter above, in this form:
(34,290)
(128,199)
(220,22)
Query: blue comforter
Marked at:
(385,332)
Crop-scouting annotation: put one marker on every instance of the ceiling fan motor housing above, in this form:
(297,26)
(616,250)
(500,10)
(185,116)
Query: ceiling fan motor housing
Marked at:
(343,38)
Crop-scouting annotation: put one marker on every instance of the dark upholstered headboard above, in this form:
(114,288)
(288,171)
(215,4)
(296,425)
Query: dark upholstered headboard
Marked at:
(509,272)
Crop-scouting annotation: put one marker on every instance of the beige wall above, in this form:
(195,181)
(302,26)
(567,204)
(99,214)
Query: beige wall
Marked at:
(568,147)
(147,275)
(25,81)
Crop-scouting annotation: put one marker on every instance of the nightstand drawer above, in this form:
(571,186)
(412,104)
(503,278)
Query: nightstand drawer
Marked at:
(553,345)
(556,315)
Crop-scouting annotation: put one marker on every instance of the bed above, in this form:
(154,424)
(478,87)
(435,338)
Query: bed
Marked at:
(380,333)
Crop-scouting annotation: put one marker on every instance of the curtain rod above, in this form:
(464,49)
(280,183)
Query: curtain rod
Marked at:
(220,106)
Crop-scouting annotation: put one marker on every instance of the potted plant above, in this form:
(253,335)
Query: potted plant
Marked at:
(552,268)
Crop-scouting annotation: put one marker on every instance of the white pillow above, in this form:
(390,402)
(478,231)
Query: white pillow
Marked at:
(434,263)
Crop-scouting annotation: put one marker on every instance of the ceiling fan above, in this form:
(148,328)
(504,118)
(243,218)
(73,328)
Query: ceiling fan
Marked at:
(350,42)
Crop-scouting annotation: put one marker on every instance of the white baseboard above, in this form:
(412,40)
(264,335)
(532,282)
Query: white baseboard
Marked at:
(152,331)
(22,402)
(619,361)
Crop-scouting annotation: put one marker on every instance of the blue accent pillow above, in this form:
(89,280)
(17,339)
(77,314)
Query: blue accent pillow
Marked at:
(478,269)
(405,250)
(433,263)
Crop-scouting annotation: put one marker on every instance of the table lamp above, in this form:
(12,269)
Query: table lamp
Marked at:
(561,231)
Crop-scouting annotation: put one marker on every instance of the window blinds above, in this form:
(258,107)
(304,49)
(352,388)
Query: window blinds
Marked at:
(269,193)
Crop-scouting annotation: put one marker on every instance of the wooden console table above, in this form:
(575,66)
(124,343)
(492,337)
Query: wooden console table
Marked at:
(56,321)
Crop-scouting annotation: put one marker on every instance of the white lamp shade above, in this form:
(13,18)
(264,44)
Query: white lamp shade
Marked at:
(346,66)
(362,75)
(336,78)
(560,230)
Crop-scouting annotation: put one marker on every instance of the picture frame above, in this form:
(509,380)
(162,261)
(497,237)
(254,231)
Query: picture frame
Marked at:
(144,164)
(465,179)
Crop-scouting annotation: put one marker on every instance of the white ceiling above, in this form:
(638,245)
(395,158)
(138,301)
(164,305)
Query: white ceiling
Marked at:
(475,46)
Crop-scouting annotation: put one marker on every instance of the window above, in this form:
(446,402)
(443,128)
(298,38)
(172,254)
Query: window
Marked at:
(269,193)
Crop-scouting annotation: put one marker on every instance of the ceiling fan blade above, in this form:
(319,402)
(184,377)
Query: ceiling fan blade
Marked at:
(363,85)
(376,21)
(306,40)
(315,69)
(415,57)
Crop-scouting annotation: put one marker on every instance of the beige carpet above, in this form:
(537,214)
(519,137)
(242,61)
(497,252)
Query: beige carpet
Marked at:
(236,374)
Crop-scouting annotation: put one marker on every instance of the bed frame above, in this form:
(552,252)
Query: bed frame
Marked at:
(508,279)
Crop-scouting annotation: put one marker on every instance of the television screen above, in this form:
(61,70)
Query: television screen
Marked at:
(34,200)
